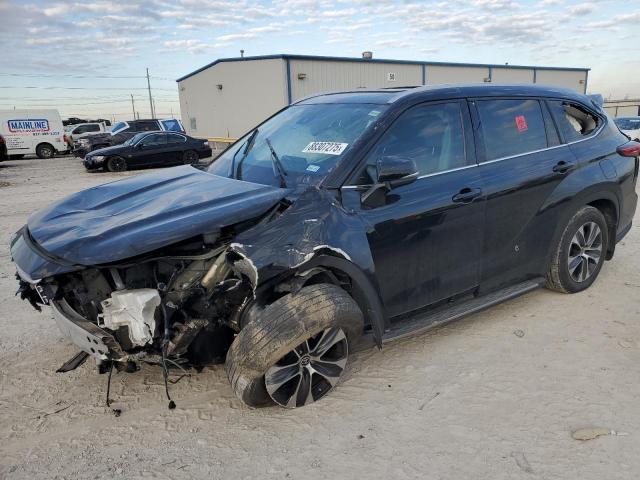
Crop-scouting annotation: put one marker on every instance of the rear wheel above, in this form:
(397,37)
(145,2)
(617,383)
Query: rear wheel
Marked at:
(580,253)
(190,157)
(116,164)
(296,349)
(44,150)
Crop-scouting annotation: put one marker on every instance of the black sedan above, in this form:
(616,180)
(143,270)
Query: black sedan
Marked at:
(149,149)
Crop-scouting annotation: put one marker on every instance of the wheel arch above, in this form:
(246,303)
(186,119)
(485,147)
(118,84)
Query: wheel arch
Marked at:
(325,267)
(603,198)
(46,143)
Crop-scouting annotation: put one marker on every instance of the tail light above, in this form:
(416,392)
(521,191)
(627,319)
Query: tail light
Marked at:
(206,144)
(629,149)
(64,137)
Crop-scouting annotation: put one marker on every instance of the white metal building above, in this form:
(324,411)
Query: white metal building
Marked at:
(229,96)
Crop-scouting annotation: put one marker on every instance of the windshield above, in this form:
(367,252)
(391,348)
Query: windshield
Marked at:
(302,144)
(628,123)
(118,127)
(136,138)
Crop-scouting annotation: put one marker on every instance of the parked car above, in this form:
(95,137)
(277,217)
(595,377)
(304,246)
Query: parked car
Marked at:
(123,131)
(38,132)
(629,126)
(75,121)
(152,149)
(343,219)
(74,133)
(3,149)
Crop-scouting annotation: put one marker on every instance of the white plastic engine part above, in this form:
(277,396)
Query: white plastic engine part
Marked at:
(133,308)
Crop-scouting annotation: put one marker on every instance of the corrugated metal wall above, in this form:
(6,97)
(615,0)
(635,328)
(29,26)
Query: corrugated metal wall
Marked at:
(511,75)
(326,76)
(575,80)
(438,74)
(251,91)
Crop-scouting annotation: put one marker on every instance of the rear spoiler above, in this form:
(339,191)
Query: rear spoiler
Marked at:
(597,99)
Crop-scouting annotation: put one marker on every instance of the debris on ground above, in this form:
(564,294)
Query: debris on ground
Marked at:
(518,333)
(522,462)
(584,434)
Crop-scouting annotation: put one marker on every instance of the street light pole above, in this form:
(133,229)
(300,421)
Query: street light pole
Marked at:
(153,114)
(133,106)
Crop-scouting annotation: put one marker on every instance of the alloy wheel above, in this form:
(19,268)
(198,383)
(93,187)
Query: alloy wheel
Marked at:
(309,371)
(585,252)
(190,158)
(117,164)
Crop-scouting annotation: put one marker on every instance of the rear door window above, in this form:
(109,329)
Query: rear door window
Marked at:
(573,120)
(172,138)
(511,127)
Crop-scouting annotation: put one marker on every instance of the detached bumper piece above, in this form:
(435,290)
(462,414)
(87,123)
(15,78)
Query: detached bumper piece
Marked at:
(89,337)
(73,363)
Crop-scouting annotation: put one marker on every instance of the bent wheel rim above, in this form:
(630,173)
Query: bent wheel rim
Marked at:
(585,252)
(309,371)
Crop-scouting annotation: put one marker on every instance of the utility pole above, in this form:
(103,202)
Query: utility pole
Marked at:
(133,106)
(153,114)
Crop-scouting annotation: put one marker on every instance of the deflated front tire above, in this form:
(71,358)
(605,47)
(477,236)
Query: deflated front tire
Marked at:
(300,343)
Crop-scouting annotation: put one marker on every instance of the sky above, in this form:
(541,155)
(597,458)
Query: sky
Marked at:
(86,58)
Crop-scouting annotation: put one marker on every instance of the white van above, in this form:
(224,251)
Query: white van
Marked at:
(26,132)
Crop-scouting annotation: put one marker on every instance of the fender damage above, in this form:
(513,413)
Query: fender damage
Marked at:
(121,295)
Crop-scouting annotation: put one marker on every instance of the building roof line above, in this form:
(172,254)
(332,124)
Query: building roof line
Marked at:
(374,60)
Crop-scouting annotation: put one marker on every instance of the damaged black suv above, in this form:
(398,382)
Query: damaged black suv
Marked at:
(345,219)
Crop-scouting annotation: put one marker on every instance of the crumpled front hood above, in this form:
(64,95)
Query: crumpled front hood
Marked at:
(142,213)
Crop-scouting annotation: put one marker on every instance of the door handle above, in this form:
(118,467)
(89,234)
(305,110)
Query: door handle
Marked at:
(466,195)
(563,167)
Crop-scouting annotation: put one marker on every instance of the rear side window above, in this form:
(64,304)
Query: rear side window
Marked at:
(92,128)
(171,138)
(172,125)
(574,122)
(431,135)
(511,127)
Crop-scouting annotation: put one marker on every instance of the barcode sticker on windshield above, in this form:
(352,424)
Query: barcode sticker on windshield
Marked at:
(329,148)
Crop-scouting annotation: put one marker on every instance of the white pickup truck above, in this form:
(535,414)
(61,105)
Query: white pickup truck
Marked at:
(73,133)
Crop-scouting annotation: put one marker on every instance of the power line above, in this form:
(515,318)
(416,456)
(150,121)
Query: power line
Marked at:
(61,75)
(84,88)
(64,104)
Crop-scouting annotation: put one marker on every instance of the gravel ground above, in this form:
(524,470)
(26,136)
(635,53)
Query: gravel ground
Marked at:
(495,396)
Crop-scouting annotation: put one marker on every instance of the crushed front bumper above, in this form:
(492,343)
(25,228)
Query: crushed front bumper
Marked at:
(86,335)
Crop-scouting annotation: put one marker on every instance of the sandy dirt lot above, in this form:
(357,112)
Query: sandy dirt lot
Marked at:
(470,400)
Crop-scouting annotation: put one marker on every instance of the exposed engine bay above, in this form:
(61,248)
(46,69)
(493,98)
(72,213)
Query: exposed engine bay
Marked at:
(199,291)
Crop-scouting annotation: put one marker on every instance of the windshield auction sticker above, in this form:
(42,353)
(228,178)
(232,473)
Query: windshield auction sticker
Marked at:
(329,148)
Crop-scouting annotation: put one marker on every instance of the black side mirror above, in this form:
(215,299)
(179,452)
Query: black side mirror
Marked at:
(392,172)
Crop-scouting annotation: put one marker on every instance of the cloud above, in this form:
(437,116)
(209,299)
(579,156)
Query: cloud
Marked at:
(583,9)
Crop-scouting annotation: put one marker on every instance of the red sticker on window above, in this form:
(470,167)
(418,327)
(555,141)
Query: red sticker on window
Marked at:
(521,123)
